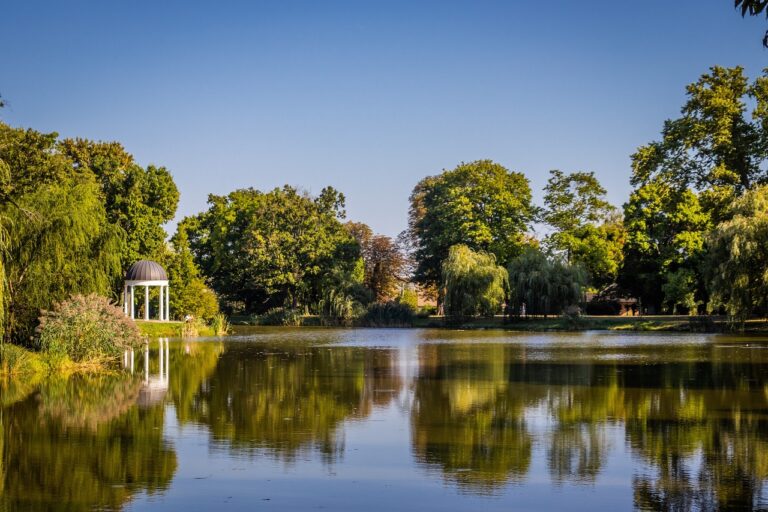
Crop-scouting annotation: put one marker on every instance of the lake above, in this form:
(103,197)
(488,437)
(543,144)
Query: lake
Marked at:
(428,420)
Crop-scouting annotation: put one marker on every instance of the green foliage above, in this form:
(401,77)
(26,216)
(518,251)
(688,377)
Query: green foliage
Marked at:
(480,204)
(220,324)
(17,361)
(680,291)
(384,262)
(545,286)
(409,298)
(280,316)
(685,182)
(138,200)
(86,327)
(474,284)
(388,314)
(189,294)
(61,244)
(270,249)
(738,257)
(73,215)
(586,229)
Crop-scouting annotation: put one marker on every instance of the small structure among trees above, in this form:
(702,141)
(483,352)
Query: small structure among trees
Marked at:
(146,273)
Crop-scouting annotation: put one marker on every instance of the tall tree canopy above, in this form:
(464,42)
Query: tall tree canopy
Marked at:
(586,228)
(73,215)
(384,261)
(685,182)
(270,249)
(60,243)
(139,200)
(738,257)
(479,204)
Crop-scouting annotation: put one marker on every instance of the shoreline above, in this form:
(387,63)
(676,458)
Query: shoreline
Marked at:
(648,323)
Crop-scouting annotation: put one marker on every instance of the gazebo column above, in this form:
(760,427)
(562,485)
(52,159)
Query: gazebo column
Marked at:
(160,309)
(133,305)
(146,302)
(167,302)
(125,299)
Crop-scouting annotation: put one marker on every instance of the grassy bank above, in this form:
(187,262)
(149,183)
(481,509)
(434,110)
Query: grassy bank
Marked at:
(668,323)
(156,329)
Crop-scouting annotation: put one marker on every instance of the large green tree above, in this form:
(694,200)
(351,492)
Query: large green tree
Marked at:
(586,229)
(474,283)
(685,182)
(479,204)
(139,200)
(542,284)
(60,244)
(738,257)
(57,238)
(189,294)
(271,249)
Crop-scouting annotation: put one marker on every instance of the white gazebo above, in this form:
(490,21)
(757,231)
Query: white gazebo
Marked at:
(146,273)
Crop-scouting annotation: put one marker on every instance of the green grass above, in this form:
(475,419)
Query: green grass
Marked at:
(155,329)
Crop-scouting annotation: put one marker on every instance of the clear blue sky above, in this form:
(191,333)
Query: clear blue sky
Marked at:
(367,96)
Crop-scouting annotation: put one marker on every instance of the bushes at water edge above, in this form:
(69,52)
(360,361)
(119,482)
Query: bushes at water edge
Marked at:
(388,314)
(86,329)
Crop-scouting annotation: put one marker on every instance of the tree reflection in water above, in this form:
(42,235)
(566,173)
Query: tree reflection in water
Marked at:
(693,419)
(81,443)
(284,400)
(698,424)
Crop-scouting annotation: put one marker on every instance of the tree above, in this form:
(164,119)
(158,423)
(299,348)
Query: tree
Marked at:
(685,182)
(753,8)
(474,283)
(738,258)
(479,204)
(57,239)
(60,244)
(189,294)
(586,229)
(680,290)
(545,286)
(139,200)
(269,249)
(383,259)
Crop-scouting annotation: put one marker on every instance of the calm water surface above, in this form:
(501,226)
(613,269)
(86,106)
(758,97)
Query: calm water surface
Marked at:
(367,420)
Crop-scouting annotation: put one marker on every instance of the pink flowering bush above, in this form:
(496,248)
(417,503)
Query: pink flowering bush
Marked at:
(85,328)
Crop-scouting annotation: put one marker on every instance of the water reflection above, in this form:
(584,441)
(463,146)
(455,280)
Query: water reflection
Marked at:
(80,443)
(468,419)
(673,424)
(286,400)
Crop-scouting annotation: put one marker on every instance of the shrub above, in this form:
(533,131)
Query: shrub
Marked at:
(388,314)
(280,316)
(15,360)
(409,298)
(219,324)
(86,327)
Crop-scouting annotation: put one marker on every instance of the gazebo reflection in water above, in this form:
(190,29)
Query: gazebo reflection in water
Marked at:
(154,387)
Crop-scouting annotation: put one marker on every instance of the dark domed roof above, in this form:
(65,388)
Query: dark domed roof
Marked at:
(146,270)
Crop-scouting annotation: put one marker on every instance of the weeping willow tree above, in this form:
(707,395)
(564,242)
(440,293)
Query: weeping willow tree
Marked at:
(545,286)
(738,258)
(474,284)
(60,243)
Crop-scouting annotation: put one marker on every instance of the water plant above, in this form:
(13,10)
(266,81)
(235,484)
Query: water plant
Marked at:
(86,328)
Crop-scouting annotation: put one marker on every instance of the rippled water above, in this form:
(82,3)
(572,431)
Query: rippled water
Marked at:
(281,419)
